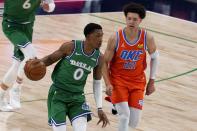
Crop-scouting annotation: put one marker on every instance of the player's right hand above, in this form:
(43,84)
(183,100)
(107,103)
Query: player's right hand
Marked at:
(102,118)
(109,89)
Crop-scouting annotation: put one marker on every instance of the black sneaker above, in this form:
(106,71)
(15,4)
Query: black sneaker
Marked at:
(114,112)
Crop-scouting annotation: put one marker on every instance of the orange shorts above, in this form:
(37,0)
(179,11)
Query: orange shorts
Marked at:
(134,95)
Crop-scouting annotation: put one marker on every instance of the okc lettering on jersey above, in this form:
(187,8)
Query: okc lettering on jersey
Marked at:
(132,55)
(81,65)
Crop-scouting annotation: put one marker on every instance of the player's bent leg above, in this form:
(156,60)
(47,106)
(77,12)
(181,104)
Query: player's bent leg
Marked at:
(7,81)
(135,116)
(123,114)
(29,53)
(59,128)
(80,124)
(11,74)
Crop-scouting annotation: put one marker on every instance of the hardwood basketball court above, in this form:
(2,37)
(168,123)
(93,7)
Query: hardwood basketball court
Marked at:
(173,107)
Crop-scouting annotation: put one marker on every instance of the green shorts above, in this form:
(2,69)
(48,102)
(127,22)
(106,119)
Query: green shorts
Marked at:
(62,104)
(19,34)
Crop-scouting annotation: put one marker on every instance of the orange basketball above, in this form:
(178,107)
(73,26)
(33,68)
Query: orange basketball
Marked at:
(35,69)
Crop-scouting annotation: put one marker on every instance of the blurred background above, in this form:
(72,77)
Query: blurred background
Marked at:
(183,9)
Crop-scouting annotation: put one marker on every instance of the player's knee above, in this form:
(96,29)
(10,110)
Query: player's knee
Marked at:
(124,115)
(123,111)
(59,128)
(80,124)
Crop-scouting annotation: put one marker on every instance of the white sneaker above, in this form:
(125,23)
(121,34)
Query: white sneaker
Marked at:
(4,106)
(14,94)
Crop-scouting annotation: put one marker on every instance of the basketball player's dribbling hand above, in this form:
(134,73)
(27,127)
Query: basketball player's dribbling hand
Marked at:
(109,89)
(35,61)
(102,118)
(150,87)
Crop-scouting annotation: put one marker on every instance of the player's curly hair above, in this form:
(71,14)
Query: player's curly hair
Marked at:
(90,28)
(135,8)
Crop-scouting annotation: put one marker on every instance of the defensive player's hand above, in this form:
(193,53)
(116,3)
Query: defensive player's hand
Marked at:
(102,118)
(109,89)
(150,87)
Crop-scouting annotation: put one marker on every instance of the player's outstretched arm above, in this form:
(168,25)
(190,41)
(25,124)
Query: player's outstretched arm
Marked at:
(64,50)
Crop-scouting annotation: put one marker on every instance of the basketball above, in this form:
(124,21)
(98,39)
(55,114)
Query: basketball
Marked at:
(35,69)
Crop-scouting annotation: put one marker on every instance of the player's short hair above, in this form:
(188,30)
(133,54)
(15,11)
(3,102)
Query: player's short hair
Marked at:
(135,8)
(90,28)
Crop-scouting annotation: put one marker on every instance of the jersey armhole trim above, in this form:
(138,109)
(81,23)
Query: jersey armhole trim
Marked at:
(145,40)
(117,41)
(98,58)
(75,45)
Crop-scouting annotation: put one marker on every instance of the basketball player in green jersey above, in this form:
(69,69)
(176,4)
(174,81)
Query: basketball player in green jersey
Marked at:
(17,25)
(66,95)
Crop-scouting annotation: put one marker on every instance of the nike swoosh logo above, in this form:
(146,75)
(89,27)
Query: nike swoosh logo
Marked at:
(93,59)
(77,53)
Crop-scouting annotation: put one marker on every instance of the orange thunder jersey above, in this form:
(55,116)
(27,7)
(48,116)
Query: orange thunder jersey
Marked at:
(129,60)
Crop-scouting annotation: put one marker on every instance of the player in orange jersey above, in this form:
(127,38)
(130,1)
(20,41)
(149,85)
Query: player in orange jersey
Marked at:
(125,62)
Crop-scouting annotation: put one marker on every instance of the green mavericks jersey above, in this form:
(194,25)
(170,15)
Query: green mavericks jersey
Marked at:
(71,72)
(20,11)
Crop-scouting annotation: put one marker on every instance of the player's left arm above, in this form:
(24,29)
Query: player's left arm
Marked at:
(97,89)
(64,50)
(48,5)
(97,84)
(152,50)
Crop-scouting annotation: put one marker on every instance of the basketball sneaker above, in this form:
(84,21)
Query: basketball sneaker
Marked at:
(15,94)
(113,110)
(4,106)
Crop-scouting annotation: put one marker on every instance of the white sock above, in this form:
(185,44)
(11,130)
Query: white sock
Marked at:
(2,92)
(17,85)
(80,124)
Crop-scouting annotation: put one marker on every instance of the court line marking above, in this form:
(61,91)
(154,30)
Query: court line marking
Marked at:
(168,78)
